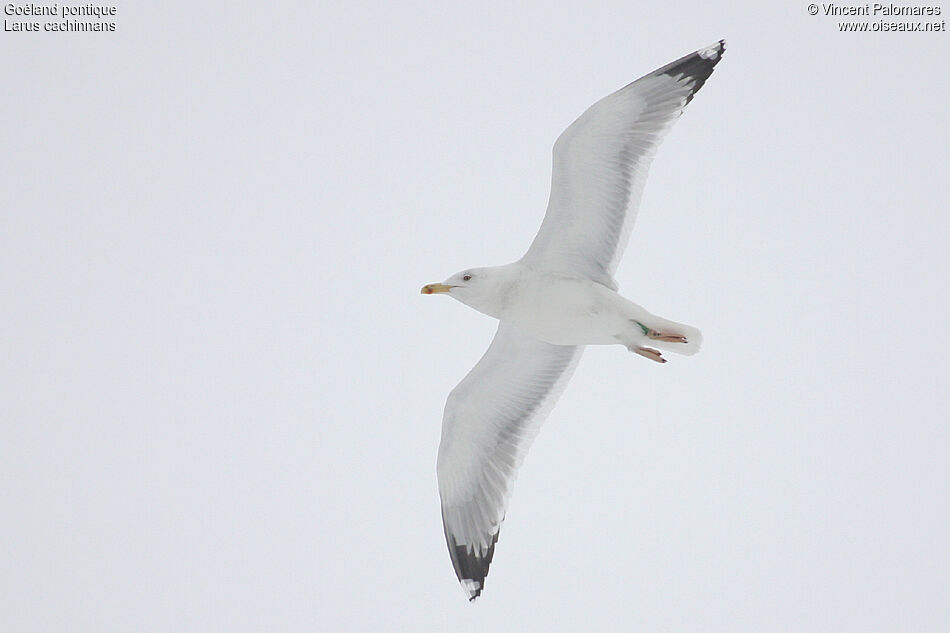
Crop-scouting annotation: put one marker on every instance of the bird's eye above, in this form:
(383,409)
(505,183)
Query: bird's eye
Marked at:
(466,277)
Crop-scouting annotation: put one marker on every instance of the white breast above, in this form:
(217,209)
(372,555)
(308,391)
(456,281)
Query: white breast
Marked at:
(566,311)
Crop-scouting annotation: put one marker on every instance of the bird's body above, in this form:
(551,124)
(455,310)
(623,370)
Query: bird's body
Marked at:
(562,309)
(559,297)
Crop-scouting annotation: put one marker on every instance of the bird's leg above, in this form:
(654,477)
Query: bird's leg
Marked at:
(648,352)
(668,338)
(661,336)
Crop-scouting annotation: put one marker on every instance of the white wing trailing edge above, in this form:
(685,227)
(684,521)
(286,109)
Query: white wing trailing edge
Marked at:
(600,166)
(490,420)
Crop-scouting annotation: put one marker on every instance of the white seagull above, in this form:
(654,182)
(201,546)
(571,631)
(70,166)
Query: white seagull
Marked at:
(559,297)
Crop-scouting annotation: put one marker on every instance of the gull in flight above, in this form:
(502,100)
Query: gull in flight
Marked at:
(559,297)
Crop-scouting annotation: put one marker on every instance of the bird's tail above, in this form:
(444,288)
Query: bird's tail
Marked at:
(694,339)
(642,325)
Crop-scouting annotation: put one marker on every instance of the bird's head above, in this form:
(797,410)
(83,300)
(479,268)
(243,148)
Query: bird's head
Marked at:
(480,288)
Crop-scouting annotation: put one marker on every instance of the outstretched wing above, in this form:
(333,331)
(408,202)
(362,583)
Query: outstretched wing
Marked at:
(490,420)
(600,166)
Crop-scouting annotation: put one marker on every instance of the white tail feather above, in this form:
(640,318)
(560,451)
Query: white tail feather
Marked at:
(636,337)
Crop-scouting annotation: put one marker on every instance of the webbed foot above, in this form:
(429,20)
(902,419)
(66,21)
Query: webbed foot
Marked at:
(648,352)
(666,338)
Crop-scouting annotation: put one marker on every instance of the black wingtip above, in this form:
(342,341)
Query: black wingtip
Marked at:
(471,567)
(697,66)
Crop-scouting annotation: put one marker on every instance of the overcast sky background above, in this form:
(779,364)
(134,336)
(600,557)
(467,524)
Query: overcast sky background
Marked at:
(221,391)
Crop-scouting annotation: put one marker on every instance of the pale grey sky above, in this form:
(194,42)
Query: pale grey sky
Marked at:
(221,392)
